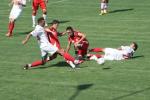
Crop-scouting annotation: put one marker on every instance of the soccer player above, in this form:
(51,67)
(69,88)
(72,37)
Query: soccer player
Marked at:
(45,46)
(122,53)
(14,14)
(104,7)
(80,42)
(35,6)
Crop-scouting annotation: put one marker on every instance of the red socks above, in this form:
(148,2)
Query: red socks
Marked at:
(96,50)
(68,57)
(11,27)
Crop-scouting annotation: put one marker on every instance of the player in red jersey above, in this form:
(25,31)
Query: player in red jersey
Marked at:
(14,14)
(52,35)
(79,40)
(35,6)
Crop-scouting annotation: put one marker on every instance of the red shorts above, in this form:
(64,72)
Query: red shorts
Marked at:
(83,49)
(36,4)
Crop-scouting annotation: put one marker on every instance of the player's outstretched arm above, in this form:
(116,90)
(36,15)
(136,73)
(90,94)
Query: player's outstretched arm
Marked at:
(68,46)
(26,38)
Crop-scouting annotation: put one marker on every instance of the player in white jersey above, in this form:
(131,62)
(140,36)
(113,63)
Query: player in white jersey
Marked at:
(124,52)
(14,14)
(104,7)
(45,46)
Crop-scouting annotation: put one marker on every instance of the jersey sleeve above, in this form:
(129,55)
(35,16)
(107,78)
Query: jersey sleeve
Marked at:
(34,33)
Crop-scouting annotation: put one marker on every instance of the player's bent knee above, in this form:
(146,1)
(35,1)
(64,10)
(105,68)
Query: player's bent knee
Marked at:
(44,11)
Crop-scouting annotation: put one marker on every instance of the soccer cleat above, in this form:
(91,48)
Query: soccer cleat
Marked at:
(26,67)
(8,35)
(101,14)
(93,57)
(71,64)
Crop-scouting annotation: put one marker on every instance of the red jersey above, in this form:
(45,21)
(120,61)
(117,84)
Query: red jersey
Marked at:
(76,38)
(53,37)
(38,1)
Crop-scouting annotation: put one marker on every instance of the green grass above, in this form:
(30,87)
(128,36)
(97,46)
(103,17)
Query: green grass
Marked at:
(125,80)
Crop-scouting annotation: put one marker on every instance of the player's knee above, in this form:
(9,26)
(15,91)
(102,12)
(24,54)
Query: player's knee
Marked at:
(33,12)
(44,11)
(12,20)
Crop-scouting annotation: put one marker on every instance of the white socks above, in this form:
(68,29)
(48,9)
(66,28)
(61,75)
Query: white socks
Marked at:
(33,21)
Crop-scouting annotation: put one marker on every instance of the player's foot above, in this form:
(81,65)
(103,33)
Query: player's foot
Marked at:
(71,64)
(93,57)
(101,13)
(8,35)
(105,12)
(26,67)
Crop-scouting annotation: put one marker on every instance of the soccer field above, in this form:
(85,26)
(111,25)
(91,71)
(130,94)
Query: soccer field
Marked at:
(128,20)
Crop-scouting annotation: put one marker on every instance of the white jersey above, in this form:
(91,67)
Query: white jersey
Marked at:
(115,54)
(40,34)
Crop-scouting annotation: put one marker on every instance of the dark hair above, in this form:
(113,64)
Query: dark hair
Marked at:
(40,19)
(135,46)
(55,22)
(69,28)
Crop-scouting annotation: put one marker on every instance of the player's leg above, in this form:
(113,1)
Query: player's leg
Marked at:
(40,62)
(11,25)
(44,10)
(106,6)
(14,14)
(96,50)
(102,5)
(34,12)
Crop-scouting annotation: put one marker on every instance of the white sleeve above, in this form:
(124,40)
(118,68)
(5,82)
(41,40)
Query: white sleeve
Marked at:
(34,33)
(24,2)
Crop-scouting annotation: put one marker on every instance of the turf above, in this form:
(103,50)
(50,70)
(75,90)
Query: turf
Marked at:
(127,21)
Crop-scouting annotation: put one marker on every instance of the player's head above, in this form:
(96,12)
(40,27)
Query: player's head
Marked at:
(70,31)
(55,23)
(41,21)
(134,46)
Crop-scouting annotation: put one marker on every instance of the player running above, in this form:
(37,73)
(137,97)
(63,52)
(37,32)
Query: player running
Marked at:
(14,14)
(79,40)
(122,53)
(35,6)
(46,47)
(104,7)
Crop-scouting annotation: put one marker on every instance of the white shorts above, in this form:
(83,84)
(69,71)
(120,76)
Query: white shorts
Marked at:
(112,54)
(48,49)
(15,12)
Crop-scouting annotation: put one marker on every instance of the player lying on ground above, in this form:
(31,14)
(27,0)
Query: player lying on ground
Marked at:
(124,52)
(35,6)
(45,46)
(79,40)
(14,14)
(104,7)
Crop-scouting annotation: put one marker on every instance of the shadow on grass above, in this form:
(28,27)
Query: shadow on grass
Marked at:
(130,94)
(22,33)
(134,57)
(80,88)
(121,10)
(61,22)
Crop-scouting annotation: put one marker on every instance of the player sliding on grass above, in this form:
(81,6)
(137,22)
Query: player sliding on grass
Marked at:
(104,7)
(124,52)
(79,40)
(35,6)
(46,47)
(14,14)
